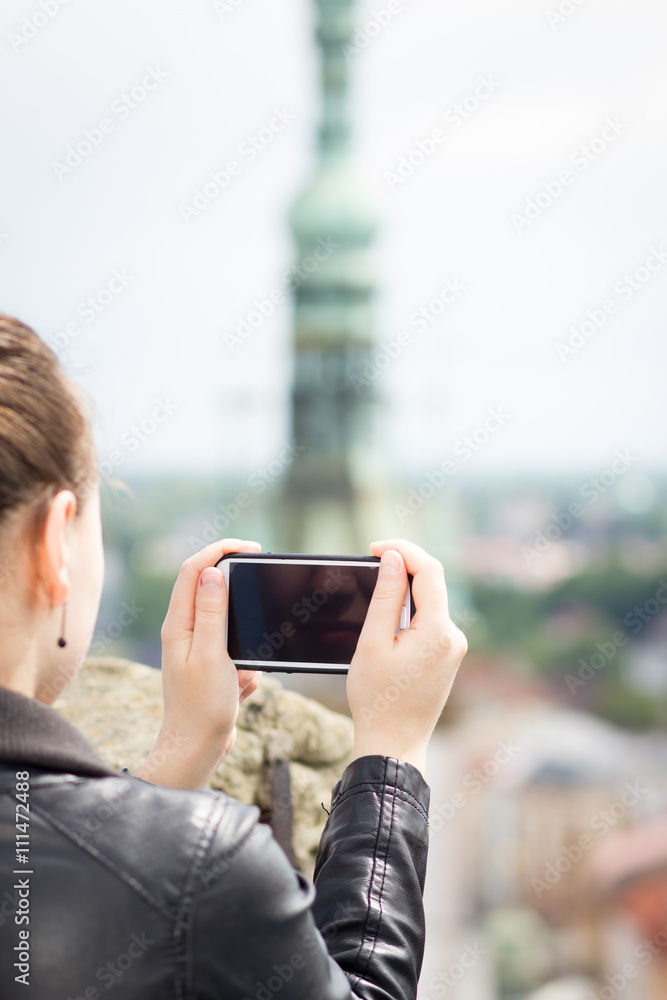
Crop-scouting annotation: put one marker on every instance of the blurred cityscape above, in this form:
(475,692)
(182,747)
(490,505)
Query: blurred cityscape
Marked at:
(548,861)
(573,605)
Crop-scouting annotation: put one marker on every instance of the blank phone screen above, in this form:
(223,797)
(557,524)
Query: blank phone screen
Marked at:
(296,613)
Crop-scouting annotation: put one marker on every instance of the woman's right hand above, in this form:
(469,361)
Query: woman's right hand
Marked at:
(397,685)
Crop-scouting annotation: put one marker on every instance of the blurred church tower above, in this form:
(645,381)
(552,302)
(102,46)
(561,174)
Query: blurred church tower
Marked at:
(336,495)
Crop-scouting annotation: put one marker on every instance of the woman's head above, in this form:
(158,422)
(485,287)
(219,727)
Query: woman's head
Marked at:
(50,538)
(44,435)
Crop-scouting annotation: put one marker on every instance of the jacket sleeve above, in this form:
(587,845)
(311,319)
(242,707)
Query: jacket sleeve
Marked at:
(369,877)
(259,928)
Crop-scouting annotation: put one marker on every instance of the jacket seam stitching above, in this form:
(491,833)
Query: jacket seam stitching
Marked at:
(370,887)
(380,782)
(391,790)
(102,859)
(187,909)
(374,939)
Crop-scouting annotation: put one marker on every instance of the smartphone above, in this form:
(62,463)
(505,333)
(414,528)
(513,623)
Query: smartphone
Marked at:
(293,613)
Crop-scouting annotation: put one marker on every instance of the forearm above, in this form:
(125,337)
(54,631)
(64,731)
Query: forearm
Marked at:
(370,874)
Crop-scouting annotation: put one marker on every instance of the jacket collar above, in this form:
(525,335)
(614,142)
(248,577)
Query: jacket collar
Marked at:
(33,733)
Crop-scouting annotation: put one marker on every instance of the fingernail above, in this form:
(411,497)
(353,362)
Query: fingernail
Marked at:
(390,562)
(211,578)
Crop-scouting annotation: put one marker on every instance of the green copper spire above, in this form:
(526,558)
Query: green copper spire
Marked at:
(330,487)
(334,33)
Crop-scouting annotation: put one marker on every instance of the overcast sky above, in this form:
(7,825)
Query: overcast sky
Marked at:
(580,97)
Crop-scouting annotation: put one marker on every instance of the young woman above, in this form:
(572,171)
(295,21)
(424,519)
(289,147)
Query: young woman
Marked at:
(149,885)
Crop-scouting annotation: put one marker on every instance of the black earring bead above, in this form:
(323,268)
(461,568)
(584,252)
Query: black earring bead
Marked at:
(62,641)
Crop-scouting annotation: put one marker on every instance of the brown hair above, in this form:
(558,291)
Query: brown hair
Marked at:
(45,438)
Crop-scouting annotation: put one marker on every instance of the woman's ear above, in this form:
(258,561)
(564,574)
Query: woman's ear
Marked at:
(51,556)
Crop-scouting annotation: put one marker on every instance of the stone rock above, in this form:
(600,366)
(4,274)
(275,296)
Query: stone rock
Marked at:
(117,705)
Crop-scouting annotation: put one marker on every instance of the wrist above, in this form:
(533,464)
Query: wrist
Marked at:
(184,761)
(375,746)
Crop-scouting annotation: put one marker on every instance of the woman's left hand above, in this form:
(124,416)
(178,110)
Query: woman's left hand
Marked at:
(202,687)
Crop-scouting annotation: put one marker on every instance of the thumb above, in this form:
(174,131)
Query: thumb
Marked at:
(208,637)
(385,607)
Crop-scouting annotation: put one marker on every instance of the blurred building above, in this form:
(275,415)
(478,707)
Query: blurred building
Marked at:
(335,498)
(537,791)
(631,874)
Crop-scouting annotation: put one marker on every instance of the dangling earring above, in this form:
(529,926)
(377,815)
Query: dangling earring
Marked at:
(62,641)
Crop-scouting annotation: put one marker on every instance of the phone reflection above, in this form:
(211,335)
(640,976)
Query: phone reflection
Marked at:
(294,613)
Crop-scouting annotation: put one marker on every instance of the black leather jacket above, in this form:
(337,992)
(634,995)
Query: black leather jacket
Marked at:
(136,891)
